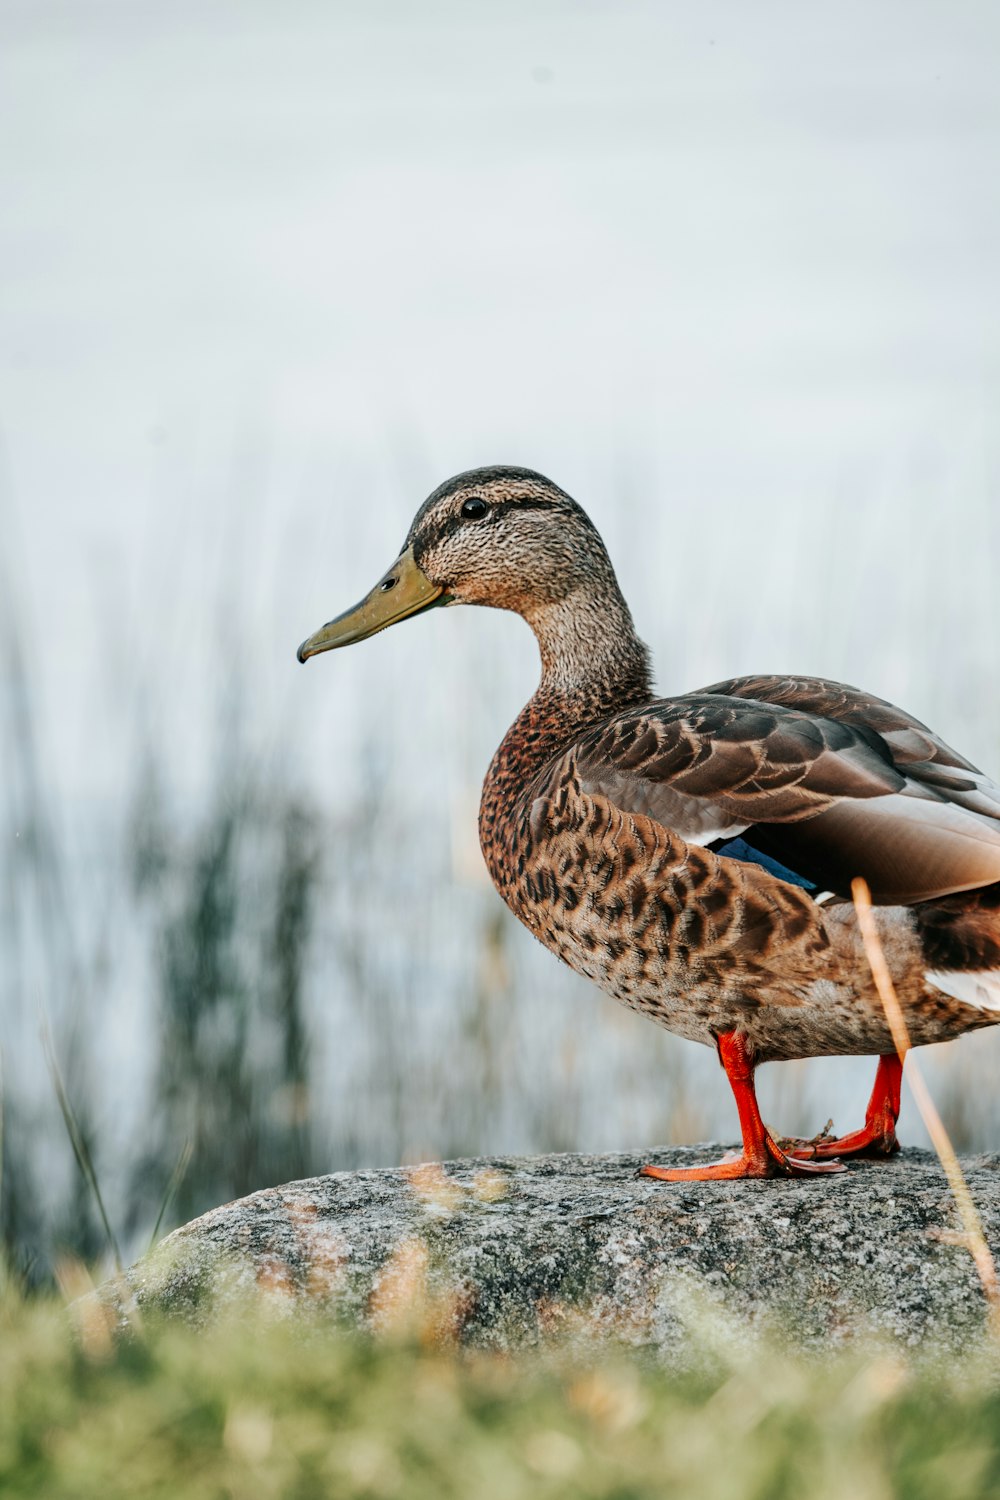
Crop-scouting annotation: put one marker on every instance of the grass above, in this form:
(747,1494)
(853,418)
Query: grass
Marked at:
(264,1407)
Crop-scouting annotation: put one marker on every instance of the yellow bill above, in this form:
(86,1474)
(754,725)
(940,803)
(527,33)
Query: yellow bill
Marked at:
(404,590)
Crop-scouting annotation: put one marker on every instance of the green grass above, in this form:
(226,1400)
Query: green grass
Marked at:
(263,1407)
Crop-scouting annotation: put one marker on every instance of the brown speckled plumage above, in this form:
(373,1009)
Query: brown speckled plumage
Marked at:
(608,816)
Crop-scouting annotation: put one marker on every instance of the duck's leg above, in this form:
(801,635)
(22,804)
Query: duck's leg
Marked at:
(761,1156)
(877,1137)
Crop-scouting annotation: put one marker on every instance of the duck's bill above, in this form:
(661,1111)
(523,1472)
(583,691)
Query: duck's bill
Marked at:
(404,591)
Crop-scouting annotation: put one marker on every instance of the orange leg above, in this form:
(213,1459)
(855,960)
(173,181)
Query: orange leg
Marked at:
(877,1137)
(761,1156)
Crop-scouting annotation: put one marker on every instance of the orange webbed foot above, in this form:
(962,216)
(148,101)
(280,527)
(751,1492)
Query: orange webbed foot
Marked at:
(763,1156)
(770,1162)
(871,1140)
(877,1137)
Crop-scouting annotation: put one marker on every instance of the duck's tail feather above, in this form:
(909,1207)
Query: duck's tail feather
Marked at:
(960,937)
(977,987)
(961,931)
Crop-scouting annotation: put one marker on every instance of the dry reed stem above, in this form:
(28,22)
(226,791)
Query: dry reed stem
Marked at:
(93,1320)
(973,1238)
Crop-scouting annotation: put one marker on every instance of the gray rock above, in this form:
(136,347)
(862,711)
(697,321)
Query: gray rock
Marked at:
(501,1252)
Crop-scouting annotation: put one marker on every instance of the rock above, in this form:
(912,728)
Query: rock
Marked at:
(501,1252)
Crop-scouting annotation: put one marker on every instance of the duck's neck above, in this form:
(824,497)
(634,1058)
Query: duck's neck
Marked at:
(591,655)
(593,665)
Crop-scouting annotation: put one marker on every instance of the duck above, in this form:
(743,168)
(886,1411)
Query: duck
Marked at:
(694,855)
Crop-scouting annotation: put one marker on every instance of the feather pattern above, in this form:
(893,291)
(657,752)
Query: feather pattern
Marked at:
(830,798)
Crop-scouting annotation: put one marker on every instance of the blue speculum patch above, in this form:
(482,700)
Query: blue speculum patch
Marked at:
(740,849)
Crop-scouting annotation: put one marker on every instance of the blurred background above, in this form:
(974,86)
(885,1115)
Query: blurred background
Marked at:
(728,273)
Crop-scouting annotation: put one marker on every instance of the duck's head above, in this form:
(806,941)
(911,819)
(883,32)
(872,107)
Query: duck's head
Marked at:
(504,537)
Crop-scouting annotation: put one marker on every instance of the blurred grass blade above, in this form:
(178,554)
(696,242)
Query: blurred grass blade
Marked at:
(80,1148)
(176,1178)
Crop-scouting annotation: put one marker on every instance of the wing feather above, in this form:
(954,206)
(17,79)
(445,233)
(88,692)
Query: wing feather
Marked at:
(864,791)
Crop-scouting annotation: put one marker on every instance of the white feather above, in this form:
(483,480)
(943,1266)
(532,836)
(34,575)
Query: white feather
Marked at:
(705,836)
(978,987)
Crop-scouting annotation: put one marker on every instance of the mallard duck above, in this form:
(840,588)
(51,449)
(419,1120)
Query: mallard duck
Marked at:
(694,855)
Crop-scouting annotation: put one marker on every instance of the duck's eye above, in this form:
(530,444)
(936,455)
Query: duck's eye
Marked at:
(474,508)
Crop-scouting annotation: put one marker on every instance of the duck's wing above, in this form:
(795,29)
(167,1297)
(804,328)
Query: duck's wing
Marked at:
(825,798)
(914,747)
